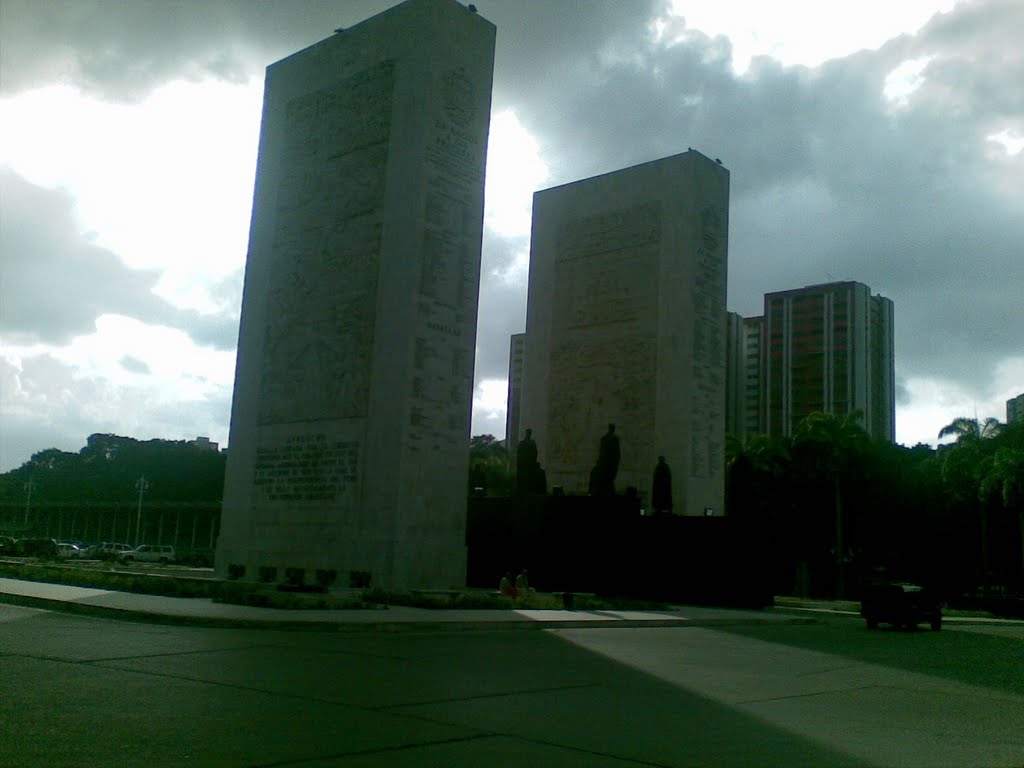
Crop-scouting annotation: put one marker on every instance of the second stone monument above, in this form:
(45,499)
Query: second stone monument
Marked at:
(625,325)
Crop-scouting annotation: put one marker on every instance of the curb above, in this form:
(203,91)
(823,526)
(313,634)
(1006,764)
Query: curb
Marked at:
(969,621)
(122,614)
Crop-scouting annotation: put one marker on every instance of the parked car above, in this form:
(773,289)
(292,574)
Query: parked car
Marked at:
(88,550)
(901,605)
(149,553)
(6,545)
(111,550)
(68,550)
(35,548)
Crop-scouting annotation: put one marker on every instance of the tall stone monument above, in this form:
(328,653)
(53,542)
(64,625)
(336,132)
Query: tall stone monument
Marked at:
(353,387)
(625,325)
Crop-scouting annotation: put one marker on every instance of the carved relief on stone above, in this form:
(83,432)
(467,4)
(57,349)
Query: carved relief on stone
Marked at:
(708,368)
(319,331)
(617,230)
(610,287)
(592,383)
(322,283)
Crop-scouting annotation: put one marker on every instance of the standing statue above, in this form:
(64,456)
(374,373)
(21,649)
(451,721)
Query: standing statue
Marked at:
(661,488)
(602,476)
(527,468)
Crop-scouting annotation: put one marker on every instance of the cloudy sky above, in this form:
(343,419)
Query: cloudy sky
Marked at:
(871,141)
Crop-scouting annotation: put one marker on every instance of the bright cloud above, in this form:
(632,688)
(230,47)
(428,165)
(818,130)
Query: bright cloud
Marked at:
(489,404)
(515,170)
(178,369)
(128,377)
(797,32)
(165,184)
(935,402)
(1010,140)
(904,80)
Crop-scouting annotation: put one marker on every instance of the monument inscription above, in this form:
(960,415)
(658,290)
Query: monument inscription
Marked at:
(707,293)
(304,468)
(444,346)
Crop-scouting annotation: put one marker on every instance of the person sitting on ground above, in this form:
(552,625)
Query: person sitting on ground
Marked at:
(505,586)
(523,583)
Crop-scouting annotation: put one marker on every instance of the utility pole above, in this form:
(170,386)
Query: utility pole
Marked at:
(142,486)
(28,501)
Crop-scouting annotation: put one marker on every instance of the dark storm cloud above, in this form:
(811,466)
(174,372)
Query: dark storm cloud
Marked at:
(902,391)
(502,305)
(134,365)
(122,50)
(544,48)
(56,282)
(219,331)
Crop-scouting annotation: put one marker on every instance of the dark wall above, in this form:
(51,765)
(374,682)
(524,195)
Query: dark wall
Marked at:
(603,545)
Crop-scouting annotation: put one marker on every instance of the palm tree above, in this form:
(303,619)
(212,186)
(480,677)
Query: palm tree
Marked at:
(1002,476)
(754,468)
(969,431)
(834,442)
(965,462)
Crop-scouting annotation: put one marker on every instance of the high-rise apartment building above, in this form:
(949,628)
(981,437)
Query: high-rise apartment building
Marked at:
(744,375)
(752,415)
(828,348)
(516,350)
(734,374)
(1015,409)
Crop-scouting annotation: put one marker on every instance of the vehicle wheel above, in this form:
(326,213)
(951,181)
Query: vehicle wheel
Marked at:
(872,622)
(163,561)
(936,624)
(127,559)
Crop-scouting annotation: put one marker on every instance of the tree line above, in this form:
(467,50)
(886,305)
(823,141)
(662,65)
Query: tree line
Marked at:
(845,506)
(97,490)
(836,505)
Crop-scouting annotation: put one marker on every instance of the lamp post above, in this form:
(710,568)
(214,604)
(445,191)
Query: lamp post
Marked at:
(142,486)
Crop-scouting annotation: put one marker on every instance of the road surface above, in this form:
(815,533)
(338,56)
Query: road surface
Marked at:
(77,690)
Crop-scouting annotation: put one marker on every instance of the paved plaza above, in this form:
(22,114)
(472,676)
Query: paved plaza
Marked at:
(717,688)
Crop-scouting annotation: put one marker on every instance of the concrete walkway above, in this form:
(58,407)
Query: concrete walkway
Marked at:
(130,606)
(200,611)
